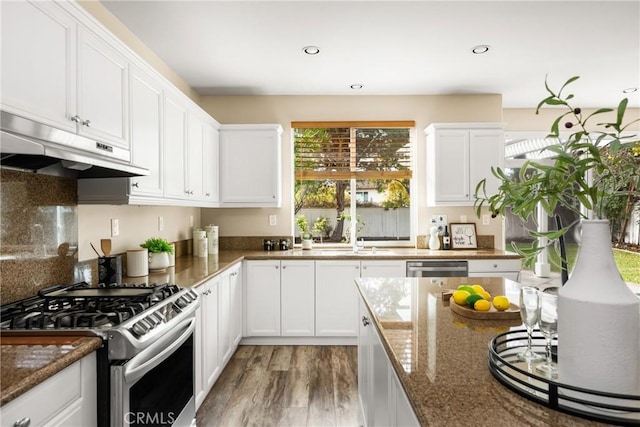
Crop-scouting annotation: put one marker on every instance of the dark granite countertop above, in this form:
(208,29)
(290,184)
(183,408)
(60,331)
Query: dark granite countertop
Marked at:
(441,358)
(29,360)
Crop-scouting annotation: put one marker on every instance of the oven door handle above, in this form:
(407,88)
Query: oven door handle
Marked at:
(152,357)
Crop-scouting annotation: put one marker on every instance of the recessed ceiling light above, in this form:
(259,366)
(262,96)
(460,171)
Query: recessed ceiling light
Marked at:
(480,49)
(630,90)
(311,50)
(357,86)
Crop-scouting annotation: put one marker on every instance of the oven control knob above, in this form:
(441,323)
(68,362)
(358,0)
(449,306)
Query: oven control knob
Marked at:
(139,328)
(182,302)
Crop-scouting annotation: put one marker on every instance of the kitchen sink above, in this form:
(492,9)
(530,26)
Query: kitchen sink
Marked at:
(338,252)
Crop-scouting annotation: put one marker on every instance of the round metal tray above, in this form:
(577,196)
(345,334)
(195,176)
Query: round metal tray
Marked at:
(621,409)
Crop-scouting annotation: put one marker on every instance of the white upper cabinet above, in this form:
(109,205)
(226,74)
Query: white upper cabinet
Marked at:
(58,72)
(194,158)
(102,90)
(175,144)
(250,165)
(38,62)
(146,133)
(210,163)
(458,157)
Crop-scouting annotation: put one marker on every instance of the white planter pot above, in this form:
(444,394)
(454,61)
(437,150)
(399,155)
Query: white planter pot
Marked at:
(598,320)
(307,244)
(158,261)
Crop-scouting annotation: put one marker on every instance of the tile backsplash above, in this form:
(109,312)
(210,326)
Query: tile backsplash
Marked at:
(38,233)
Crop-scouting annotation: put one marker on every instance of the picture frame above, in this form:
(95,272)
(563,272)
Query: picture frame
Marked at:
(463,236)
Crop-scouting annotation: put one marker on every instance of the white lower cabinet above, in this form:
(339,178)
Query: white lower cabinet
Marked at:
(380,395)
(507,268)
(66,399)
(297,286)
(280,299)
(237,318)
(207,362)
(336,298)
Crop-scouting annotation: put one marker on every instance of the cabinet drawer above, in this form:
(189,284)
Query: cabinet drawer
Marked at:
(497,265)
(47,399)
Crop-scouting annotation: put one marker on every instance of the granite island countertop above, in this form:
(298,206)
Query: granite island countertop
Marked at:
(441,358)
(29,360)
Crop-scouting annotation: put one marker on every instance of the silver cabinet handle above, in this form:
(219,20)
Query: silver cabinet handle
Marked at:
(86,123)
(76,119)
(365,321)
(135,184)
(191,192)
(25,422)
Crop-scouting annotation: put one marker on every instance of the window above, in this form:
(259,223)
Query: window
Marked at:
(369,160)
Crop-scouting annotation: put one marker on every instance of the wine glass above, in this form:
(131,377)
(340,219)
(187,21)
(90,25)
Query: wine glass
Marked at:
(529,313)
(468,231)
(548,324)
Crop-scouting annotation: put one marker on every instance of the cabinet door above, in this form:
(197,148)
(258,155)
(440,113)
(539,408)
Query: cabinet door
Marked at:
(382,268)
(146,131)
(195,138)
(210,163)
(175,128)
(297,298)
(210,335)
(451,165)
(250,166)
(263,298)
(102,90)
(364,364)
(38,57)
(224,319)
(336,298)
(486,148)
(236,305)
(379,379)
(401,411)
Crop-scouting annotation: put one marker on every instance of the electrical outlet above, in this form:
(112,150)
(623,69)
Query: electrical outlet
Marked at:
(486,219)
(115,227)
(273,220)
(160,223)
(191,221)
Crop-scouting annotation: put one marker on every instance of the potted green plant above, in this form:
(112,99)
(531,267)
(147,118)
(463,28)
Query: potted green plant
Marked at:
(598,316)
(159,250)
(305,234)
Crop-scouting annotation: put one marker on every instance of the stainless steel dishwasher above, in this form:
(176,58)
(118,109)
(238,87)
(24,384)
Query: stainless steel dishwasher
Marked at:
(438,268)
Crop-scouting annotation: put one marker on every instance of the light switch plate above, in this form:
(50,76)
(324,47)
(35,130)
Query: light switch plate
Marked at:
(115,227)
(439,221)
(486,219)
(273,220)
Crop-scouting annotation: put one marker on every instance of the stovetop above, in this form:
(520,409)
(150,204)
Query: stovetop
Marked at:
(83,307)
(129,318)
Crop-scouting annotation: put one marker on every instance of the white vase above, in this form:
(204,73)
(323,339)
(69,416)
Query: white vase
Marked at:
(158,261)
(598,320)
(307,243)
(434,242)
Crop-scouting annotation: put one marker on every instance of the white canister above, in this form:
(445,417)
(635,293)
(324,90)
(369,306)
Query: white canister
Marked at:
(198,234)
(212,237)
(202,247)
(137,262)
(172,255)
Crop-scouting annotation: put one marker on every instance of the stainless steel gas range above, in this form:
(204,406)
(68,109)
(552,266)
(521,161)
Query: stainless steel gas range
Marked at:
(146,366)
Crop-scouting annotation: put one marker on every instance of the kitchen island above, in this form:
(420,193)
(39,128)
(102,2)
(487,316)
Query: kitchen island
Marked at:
(440,358)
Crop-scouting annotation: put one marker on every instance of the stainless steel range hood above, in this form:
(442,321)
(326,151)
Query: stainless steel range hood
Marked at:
(32,146)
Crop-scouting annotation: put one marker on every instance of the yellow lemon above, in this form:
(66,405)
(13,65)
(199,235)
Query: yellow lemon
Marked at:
(501,303)
(460,297)
(482,305)
(477,288)
(486,295)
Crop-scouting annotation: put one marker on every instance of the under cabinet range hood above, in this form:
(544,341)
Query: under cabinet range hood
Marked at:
(36,147)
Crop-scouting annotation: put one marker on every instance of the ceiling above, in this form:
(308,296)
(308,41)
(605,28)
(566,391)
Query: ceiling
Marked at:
(395,47)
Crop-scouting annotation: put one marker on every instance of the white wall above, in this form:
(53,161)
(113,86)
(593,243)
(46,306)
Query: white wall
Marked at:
(137,224)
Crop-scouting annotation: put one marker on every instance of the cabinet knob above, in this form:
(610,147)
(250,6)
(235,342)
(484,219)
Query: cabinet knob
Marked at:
(357,268)
(135,184)
(76,119)
(365,321)
(25,422)
(86,123)
(495,265)
(207,194)
(284,266)
(277,267)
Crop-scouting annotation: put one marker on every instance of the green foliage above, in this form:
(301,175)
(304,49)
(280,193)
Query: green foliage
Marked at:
(397,195)
(567,179)
(360,223)
(322,227)
(303,225)
(156,245)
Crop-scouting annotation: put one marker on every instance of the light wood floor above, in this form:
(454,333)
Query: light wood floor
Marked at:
(285,386)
